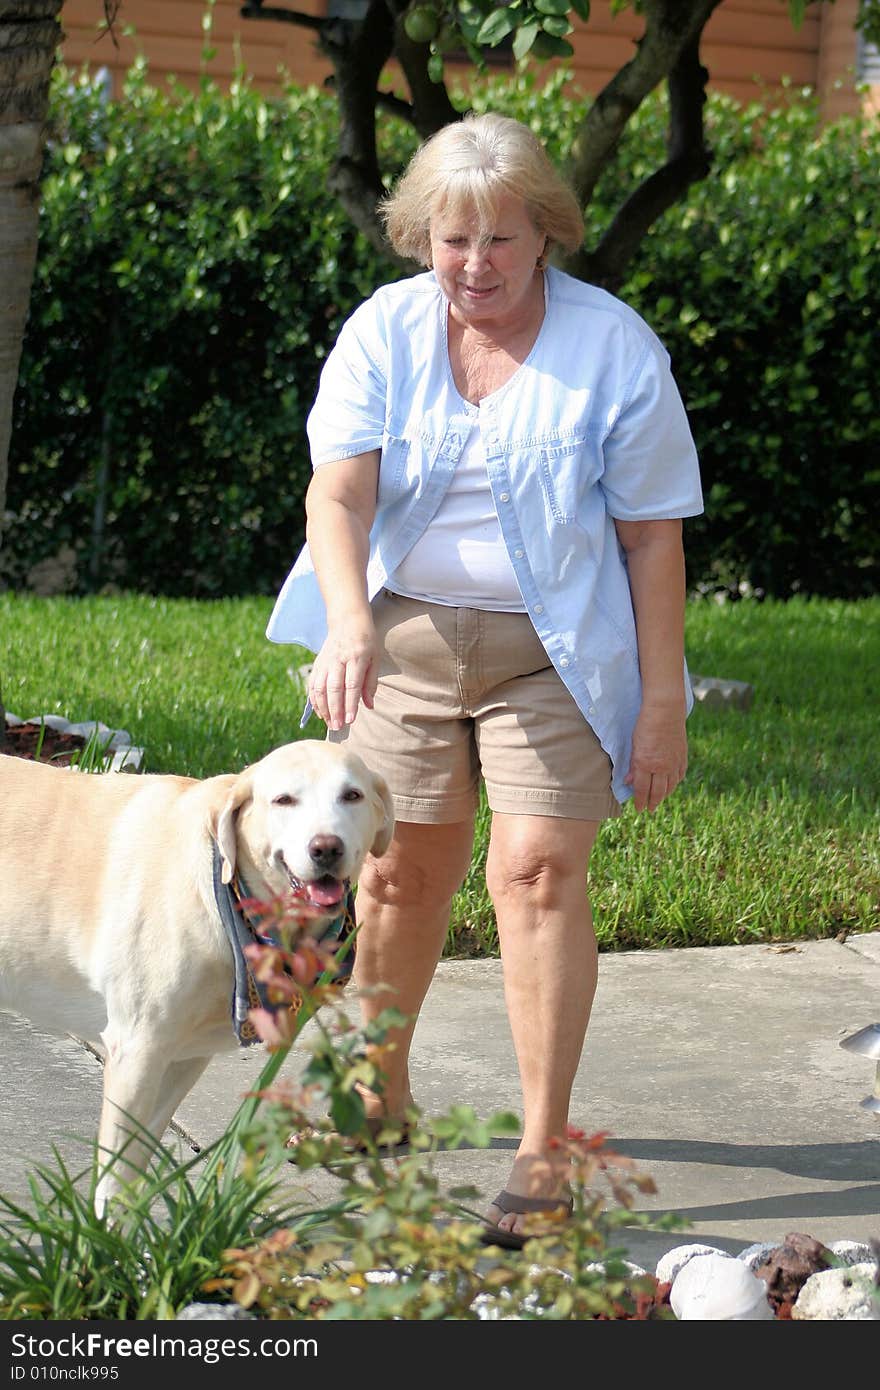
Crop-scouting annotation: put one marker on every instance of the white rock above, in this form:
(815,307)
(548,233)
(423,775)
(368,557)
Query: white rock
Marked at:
(717,1288)
(840,1295)
(853,1252)
(723,694)
(635,1270)
(754,1255)
(214,1312)
(119,754)
(487,1310)
(669,1265)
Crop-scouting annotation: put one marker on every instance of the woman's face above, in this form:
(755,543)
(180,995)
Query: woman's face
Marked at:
(488,276)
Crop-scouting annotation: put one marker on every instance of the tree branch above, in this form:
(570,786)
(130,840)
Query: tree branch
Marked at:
(431,107)
(257,10)
(671,24)
(395,106)
(688,161)
(358,51)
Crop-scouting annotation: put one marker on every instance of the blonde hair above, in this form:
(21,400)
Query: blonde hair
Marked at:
(465,169)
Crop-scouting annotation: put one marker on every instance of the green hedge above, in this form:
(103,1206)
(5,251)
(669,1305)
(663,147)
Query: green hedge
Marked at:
(765,287)
(194,271)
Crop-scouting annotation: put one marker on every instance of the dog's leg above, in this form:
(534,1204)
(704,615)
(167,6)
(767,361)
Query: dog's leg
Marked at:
(132,1077)
(178,1081)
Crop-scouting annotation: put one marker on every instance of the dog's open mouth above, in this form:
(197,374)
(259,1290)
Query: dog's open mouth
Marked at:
(323,892)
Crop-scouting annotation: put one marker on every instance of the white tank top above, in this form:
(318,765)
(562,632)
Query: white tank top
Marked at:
(461,559)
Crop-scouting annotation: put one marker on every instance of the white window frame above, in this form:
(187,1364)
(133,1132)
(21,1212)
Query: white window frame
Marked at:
(867,62)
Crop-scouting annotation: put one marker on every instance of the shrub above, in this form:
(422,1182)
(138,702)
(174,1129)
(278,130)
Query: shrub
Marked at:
(766,289)
(764,285)
(194,271)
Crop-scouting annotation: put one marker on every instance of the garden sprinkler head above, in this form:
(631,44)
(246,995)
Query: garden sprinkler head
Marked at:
(867,1043)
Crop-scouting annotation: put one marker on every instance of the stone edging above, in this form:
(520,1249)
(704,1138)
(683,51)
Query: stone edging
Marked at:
(126,756)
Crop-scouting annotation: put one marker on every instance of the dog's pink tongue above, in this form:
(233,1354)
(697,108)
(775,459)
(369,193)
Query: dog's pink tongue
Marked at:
(325,892)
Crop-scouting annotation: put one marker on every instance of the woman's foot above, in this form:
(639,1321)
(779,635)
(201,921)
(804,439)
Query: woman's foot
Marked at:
(392,1104)
(536,1184)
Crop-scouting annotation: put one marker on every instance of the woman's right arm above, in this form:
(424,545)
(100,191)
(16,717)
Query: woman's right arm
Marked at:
(340,507)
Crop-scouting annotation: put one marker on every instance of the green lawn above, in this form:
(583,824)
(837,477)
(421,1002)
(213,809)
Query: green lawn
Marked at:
(774,834)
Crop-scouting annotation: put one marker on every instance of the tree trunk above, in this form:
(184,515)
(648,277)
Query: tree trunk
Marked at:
(29,36)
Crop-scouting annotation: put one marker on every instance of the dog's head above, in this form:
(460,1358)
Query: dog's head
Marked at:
(304,817)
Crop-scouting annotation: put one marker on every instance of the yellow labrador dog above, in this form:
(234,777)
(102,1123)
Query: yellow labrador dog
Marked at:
(110,921)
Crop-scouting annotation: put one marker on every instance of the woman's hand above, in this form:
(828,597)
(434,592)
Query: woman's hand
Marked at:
(345,671)
(659,756)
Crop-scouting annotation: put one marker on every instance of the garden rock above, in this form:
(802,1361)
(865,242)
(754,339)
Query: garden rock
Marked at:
(840,1295)
(722,694)
(755,1255)
(717,1288)
(786,1269)
(214,1312)
(117,750)
(674,1261)
(854,1252)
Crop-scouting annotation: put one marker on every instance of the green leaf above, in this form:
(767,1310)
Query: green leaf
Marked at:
(498,25)
(435,67)
(555,7)
(797,9)
(581,9)
(524,39)
(504,1122)
(347,1111)
(546,46)
(556,25)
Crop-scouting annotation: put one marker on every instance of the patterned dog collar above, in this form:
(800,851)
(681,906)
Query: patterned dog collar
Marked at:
(248,992)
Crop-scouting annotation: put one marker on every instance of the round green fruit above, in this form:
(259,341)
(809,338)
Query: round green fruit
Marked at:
(422,23)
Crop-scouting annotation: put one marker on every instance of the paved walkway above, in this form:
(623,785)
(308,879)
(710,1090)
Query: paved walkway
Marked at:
(718,1069)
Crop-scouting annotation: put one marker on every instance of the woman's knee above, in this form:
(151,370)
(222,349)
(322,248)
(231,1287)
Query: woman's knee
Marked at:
(524,877)
(542,869)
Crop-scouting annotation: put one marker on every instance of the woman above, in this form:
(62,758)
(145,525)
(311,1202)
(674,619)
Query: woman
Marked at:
(494,585)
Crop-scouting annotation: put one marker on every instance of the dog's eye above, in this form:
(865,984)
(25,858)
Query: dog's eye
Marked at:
(352,795)
(285,799)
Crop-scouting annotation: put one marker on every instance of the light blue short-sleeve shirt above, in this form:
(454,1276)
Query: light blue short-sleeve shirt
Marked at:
(591,428)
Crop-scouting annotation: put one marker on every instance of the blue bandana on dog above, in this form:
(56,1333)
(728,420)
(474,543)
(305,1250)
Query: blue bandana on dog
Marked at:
(248,992)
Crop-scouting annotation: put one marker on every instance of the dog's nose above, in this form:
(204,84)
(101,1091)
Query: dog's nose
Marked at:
(325,851)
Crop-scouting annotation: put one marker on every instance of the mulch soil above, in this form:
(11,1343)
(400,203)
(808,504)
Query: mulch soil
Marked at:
(41,744)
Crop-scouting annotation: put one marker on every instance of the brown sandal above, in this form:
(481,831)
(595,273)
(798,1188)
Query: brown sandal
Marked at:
(515,1202)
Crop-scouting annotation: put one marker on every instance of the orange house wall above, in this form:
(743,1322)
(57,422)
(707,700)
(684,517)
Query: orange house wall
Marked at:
(749,46)
(837,60)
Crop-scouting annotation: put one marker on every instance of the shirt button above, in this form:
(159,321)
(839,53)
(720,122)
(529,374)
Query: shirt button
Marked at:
(504,497)
(592,709)
(518,554)
(539,608)
(565,661)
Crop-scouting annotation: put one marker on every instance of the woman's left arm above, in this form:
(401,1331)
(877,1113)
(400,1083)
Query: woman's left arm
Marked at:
(655,560)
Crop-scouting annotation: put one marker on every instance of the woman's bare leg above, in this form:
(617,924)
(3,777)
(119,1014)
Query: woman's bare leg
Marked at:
(403,903)
(536,874)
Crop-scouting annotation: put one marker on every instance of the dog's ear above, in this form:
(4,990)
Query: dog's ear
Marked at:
(384,807)
(225,832)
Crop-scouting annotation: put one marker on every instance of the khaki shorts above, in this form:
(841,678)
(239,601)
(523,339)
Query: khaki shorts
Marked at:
(464,692)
